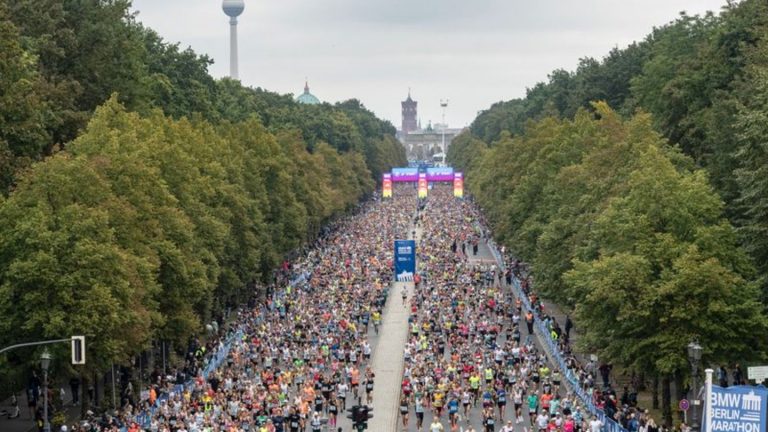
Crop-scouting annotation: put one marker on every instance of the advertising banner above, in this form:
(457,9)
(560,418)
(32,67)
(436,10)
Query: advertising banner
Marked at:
(386,185)
(443,174)
(423,185)
(737,409)
(405,174)
(458,185)
(405,260)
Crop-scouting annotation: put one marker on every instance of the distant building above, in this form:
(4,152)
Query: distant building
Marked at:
(409,107)
(307,97)
(422,144)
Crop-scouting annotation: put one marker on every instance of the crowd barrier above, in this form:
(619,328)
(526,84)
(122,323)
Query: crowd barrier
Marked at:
(609,425)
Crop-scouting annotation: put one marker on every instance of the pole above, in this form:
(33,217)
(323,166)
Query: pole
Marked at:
(443,104)
(707,399)
(164,363)
(29,344)
(114,400)
(694,392)
(443,146)
(46,425)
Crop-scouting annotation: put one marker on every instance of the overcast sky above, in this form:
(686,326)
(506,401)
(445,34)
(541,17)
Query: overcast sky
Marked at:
(472,52)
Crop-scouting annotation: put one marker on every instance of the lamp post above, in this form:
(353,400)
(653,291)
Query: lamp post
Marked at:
(45,362)
(444,104)
(694,356)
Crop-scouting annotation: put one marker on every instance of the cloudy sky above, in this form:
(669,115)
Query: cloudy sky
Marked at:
(471,52)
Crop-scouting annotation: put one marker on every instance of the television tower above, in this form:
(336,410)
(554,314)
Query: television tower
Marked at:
(233,9)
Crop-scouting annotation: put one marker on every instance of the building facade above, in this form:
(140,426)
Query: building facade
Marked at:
(422,143)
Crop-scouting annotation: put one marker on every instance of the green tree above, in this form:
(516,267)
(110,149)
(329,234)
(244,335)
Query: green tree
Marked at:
(63,270)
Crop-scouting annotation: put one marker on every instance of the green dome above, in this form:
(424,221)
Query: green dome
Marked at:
(307,97)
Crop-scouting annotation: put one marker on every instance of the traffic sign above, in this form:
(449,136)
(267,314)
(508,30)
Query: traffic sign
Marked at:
(757,373)
(684,405)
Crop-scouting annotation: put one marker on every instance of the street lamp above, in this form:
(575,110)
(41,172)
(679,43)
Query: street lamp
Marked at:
(45,362)
(443,105)
(694,356)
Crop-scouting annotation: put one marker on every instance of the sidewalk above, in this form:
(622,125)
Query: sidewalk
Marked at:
(24,423)
(484,255)
(387,362)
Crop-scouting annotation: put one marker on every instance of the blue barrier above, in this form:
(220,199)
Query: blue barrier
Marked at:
(609,425)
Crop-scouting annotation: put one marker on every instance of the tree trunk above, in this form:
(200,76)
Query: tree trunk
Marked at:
(680,385)
(655,392)
(666,396)
(85,401)
(96,389)
(682,392)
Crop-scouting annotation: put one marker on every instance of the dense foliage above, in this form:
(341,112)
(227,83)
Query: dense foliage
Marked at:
(624,229)
(142,197)
(702,79)
(646,211)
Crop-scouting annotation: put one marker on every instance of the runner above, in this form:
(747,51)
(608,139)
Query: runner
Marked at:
(404,410)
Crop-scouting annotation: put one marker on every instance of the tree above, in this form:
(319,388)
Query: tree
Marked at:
(22,112)
(752,155)
(63,270)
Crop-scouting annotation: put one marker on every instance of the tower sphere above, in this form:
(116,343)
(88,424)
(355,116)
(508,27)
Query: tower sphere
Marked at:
(233,8)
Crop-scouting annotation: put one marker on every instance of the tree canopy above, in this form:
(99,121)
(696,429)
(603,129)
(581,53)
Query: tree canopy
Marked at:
(141,197)
(702,80)
(636,188)
(626,230)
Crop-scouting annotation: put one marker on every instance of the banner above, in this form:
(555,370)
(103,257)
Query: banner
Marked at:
(440,174)
(405,260)
(405,174)
(423,185)
(458,185)
(737,409)
(386,185)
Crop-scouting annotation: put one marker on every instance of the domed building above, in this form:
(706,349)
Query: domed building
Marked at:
(307,97)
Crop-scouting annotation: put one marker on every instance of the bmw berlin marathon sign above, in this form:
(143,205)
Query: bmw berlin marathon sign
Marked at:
(405,260)
(737,409)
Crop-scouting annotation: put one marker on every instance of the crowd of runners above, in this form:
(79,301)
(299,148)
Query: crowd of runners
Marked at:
(590,377)
(303,354)
(470,362)
(301,357)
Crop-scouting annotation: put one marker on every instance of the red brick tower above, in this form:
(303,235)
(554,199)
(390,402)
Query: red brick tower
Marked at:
(409,115)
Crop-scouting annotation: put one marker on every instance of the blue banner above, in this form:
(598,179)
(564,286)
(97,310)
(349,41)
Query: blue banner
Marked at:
(405,260)
(440,174)
(405,174)
(737,409)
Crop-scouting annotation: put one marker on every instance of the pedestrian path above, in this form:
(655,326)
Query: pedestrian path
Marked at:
(24,422)
(387,361)
(483,255)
